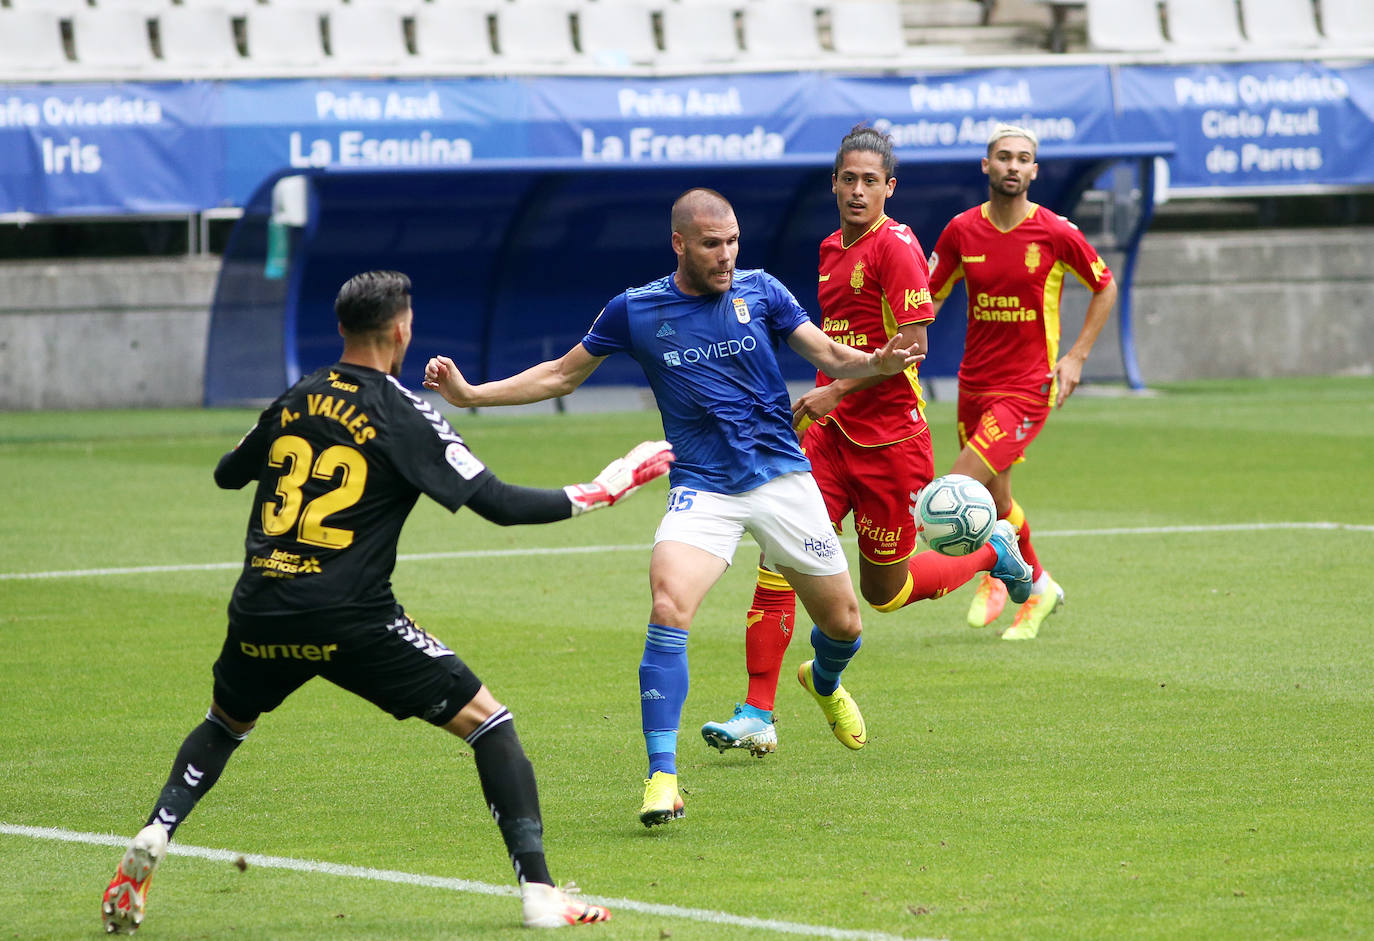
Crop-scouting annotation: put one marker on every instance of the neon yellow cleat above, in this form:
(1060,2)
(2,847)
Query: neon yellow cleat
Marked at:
(988,602)
(1032,614)
(840,709)
(661,800)
(121,909)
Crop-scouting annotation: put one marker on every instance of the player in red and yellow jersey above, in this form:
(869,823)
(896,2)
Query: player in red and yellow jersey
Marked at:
(867,439)
(1013,256)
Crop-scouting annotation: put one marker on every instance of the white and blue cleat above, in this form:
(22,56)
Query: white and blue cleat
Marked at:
(1011,569)
(749,728)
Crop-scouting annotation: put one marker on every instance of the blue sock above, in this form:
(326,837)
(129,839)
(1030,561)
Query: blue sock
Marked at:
(754,711)
(832,656)
(662,691)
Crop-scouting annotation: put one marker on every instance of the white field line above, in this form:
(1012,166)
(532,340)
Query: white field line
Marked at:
(644,547)
(457,885)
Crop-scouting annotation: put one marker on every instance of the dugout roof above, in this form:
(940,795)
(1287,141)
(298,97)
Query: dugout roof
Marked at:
(511,261)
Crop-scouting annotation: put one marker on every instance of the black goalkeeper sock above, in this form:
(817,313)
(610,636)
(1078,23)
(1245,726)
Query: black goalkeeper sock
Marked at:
(198,765)
(508,784)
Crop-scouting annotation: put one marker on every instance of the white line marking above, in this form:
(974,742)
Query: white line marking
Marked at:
(645,547)
(457,885)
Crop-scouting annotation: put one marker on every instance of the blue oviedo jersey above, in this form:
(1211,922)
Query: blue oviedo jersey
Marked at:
(711,361)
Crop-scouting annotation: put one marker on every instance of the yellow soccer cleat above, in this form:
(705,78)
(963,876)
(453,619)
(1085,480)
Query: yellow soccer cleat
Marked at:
(661,800)
(122,907)
(840,709)
(988,602)
(1032,614)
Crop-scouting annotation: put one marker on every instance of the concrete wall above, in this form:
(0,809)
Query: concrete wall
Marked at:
(1261,303)
(104,334)
(110,334)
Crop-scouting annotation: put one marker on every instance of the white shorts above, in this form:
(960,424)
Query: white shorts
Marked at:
(786,516)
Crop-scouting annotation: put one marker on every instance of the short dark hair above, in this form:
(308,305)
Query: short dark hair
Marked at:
(861,137)
(698,201)
(371,300)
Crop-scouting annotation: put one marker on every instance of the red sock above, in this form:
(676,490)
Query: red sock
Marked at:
(767,632)
(934,575)
(1017,517)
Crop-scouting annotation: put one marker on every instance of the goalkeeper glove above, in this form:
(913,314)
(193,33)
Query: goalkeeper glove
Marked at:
(621,477)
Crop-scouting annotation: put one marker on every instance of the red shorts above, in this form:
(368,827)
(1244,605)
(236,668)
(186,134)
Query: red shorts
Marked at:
(999,428)
(878,484)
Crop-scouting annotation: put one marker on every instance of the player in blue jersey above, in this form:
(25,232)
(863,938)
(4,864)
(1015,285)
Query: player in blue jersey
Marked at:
(706,338)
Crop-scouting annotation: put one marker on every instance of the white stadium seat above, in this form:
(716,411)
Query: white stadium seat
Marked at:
(1204,24)
(617,32)
(1348,23)
(403,7)
(782,30)
(198,40)
(234,7)
(867,29)
(63,8)
(148,7)
(534,33)
(1280,24)
(31,43)
(698,33)
(1125,25)
(453,36)
(367,37)
(112,39)
(284,38)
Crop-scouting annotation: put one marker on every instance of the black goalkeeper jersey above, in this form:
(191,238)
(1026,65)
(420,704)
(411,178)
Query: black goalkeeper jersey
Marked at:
(340,459)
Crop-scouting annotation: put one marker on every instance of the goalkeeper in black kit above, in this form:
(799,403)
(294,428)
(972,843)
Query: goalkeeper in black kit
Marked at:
(340,459)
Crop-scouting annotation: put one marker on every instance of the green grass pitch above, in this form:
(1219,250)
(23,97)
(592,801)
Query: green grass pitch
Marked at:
(1185,752)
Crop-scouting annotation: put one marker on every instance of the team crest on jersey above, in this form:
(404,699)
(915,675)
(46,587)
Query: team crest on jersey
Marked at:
(741,310)
(856,277)
(1032,256)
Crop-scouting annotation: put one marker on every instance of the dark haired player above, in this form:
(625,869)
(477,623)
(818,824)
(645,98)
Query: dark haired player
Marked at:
(1013,255)
(867,438)
(340,459)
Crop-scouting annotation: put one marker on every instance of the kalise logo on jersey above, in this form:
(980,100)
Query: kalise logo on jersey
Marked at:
(722,349)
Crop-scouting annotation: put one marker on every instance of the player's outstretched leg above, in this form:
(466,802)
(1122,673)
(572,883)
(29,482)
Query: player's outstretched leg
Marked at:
(121,909)
(1044,601)
(662,802)
(1011,569)
(750,727)
(546,906)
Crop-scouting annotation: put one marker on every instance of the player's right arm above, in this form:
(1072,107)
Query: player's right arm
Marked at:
(815,404)
(547,380)
(244,463)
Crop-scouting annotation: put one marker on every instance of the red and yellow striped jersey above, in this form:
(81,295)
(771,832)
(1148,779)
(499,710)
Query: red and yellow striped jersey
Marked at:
(868,290)
(1014,281)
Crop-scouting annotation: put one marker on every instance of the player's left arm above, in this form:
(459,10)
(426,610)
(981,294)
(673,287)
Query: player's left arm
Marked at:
(816,403)
(244,463)
(1069,369)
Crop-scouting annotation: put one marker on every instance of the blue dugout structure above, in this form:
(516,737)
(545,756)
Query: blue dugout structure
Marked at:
(512,260)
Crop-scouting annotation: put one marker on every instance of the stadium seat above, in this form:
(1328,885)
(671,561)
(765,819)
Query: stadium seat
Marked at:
(198,41)
(366,38)
(317,6)
(617,32)
(1348,23)
(1280,24)
(62,8)
(534,33)
(782,30)
(149,8)
(698,33)
(1125,25)
(1204,24)
(284,40)
(867,29)
(234,7)
(453,36)
(403,7)
(31,44)
(112,39)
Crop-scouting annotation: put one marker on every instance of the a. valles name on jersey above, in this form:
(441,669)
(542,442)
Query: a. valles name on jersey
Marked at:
(340,410)
(1002,307)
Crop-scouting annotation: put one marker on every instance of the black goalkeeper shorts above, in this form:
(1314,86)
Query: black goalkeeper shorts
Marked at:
(389,661)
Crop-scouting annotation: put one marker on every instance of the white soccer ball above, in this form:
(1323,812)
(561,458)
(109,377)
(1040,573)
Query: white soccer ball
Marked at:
(954,514)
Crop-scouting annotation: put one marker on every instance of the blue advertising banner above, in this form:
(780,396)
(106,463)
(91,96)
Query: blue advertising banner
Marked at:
(188,146)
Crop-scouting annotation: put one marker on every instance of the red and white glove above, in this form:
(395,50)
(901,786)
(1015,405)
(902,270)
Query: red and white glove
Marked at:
(621,477)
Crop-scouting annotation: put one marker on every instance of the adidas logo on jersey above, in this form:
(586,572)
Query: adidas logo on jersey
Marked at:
(666,330)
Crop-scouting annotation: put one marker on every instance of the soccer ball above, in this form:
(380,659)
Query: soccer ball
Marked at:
(954,514)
